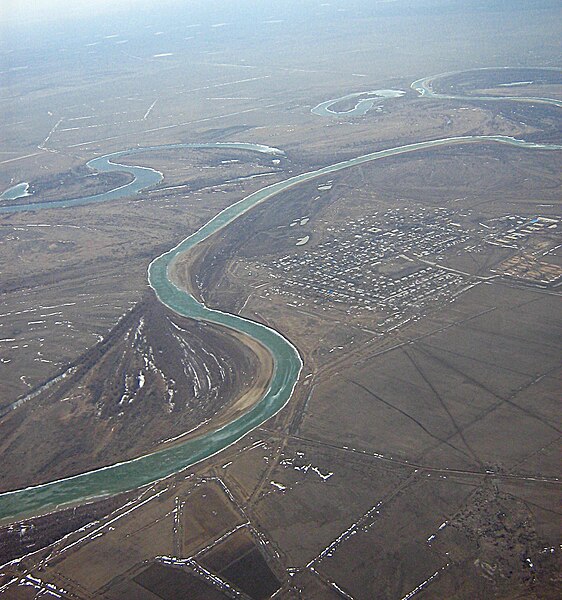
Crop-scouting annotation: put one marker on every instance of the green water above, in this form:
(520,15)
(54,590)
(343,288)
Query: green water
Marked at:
(143,177)
(21,190)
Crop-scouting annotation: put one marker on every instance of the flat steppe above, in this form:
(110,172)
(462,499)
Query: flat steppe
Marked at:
(419,453)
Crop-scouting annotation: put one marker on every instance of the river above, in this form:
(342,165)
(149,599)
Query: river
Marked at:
(134,473)
(424,88)
(362,106)
(143,177)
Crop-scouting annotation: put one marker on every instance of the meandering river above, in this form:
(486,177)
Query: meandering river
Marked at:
(362,106)
(134,473)
(424,87)
(143,177)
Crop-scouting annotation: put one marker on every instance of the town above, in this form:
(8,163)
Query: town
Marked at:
(378,263)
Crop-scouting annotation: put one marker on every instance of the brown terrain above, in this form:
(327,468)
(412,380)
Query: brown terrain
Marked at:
(419,454)
(154,377)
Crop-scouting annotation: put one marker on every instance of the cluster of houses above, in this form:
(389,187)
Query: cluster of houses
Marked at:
(371,264)
(514,231)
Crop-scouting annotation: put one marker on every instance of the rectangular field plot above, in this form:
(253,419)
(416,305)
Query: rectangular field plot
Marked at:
(171,583)
(240,562)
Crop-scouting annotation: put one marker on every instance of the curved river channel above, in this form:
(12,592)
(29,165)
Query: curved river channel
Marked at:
(143,177)
(362,106)
(424,87)
(147,469)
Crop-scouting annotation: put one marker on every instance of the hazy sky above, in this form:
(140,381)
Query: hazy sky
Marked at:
(60,10)
(57,10)
(39,12)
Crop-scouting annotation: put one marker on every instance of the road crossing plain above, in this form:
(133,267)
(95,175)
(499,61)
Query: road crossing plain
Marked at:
(419,453)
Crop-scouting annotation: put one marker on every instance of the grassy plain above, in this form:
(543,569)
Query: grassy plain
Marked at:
(419,453)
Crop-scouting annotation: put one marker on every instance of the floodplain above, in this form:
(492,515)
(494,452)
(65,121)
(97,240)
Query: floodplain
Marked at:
(419,453)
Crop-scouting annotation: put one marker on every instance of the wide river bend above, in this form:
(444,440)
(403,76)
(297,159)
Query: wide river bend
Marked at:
(147,469)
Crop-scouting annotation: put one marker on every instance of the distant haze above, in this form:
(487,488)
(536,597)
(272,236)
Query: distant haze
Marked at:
(58,10)
(13,11)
